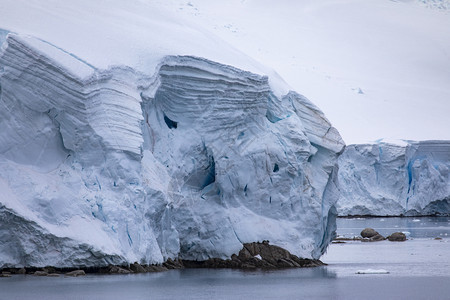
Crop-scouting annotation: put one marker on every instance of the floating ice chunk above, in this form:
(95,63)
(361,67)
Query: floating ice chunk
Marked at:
(372,271)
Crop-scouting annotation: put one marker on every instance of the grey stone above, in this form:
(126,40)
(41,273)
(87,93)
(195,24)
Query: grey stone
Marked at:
(40,273)
(137,268)
(397,237)
(173,264)
(21,271)
(368,233)
(371,235)
(118,270)
(76,273)
(377,237)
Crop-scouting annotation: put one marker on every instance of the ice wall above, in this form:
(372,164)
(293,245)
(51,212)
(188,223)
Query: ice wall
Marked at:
(190,160)
(386,179)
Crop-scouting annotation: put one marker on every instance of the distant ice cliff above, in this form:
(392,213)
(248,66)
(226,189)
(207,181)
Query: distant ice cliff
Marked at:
(386,179)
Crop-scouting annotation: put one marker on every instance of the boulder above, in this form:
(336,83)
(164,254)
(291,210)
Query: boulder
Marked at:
(377,237)
(118,270)
(21,271)
(137,268)
(76,273)
(49,269)
(397,237)
(40,273)
(371,235)
(368,233)
(173,264)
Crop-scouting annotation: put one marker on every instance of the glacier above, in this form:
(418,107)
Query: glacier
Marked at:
(112,164)
(387,179)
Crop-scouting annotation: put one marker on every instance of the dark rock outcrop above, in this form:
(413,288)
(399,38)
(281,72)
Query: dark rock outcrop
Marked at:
(257,256)
(252,256)
(173,264)
(137,268)
(118,270)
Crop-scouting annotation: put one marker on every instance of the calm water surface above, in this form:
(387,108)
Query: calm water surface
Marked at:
(420,227)
(419,269)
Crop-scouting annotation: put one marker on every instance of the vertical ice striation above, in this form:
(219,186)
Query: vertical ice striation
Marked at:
(386,179)
(191,160)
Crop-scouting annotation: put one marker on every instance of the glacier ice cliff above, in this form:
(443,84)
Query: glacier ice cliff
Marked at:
(191,160)
(390,180)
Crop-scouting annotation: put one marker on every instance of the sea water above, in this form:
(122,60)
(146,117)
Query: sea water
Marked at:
(414,227)
(417,269)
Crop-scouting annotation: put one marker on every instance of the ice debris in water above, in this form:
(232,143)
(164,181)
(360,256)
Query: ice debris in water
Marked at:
(372,271)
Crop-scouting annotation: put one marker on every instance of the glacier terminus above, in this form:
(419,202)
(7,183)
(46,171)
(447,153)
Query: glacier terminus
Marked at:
(114,165)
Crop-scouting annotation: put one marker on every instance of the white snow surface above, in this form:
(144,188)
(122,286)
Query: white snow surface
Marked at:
(387,179)
(377,68)
(139,139)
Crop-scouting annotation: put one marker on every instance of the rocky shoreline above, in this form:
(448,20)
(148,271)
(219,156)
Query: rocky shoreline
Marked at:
(257,256)
(253,256)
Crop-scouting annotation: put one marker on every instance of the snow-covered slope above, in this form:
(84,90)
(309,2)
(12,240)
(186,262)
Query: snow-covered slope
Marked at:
(189,159)
(377,68)
(387,179)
